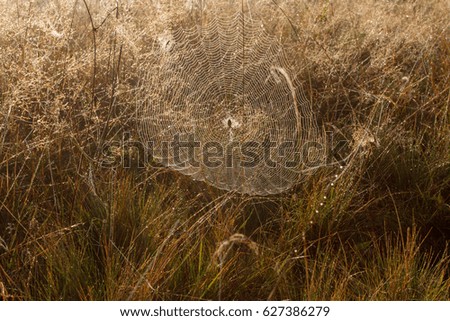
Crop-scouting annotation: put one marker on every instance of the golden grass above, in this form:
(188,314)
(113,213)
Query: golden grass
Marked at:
(377,73)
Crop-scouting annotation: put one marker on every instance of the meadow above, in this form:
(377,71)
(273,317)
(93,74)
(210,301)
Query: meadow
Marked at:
(376,227)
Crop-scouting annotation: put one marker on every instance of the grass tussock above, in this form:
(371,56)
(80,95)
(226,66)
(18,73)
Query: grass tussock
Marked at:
(377,74)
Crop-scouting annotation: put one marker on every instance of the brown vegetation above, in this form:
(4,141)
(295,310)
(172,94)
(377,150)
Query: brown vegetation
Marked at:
(377,74)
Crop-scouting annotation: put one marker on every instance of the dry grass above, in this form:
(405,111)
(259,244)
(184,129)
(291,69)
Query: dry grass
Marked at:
(377,73)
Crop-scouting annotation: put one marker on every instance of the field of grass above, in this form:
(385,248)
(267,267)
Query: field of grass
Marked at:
(74,229)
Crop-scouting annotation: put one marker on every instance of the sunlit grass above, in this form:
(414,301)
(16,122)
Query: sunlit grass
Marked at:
(74,229)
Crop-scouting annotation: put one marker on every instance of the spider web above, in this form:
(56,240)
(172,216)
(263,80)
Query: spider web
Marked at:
(226,87)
